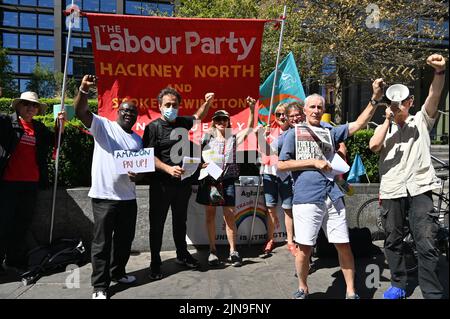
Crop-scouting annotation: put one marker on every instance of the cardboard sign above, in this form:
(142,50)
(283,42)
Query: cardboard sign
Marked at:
(134,161)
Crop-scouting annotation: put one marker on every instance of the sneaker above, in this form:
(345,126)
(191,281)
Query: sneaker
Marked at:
(268,247)
(155,272)
(99,294)
(213,260)
(354,296)
(235,259)
(127,280)
(394,293)
(300,294)
(188,261)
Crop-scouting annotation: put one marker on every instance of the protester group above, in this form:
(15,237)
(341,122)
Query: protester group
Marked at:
(309,199)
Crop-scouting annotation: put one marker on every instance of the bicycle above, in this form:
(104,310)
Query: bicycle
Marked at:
(369,215)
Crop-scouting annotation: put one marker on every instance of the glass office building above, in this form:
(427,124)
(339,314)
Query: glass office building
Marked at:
(34,31)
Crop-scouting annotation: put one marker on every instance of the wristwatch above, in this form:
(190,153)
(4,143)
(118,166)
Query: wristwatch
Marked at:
(374,102)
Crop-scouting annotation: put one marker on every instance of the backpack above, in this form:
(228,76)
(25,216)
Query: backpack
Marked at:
(54,257)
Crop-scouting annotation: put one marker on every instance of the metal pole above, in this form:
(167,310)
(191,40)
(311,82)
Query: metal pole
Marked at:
(61,123)
(280,42)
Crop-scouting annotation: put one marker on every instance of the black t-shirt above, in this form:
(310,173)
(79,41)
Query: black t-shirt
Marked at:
(157,135)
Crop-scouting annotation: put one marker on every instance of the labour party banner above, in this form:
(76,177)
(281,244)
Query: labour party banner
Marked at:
(137,56)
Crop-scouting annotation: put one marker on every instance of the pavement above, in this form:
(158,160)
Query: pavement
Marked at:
(260,277)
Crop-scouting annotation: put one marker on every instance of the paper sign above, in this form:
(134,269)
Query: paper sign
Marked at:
(339,167)
(190,165)
(134,161)
(214,170)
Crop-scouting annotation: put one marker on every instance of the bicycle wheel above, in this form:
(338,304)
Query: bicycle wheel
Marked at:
(368,215)
(443,233)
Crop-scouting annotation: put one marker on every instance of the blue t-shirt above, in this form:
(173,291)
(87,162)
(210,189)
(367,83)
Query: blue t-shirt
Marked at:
(311,186)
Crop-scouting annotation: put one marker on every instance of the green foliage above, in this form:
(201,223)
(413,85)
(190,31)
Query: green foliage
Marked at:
(47,83)
(359,144)
(8,86)
(75,157)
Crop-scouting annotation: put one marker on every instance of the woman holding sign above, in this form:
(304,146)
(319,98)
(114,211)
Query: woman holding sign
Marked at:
(217,178)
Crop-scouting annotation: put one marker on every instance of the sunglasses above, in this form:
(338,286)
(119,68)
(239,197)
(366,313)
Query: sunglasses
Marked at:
(279,114)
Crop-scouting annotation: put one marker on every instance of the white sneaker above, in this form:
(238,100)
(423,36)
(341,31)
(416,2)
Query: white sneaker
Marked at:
(213,260)
(127,280)
(99,294)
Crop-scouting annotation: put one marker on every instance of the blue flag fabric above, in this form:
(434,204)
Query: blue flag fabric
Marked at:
(288,88)
(356,170)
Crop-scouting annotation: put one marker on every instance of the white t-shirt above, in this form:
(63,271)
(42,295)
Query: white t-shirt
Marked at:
(110,137)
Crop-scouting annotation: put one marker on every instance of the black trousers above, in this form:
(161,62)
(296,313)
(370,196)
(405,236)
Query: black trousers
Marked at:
(423,223)
(17,203)
(114,228)
(161,197)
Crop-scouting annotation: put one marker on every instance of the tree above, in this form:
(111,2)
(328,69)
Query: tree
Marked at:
(49,84)
(42,82)
(9,87)
(357,40)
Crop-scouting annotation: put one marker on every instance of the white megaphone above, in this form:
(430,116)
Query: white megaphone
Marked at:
(396,93)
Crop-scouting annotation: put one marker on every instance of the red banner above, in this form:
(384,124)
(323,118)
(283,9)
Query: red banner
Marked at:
(137,56)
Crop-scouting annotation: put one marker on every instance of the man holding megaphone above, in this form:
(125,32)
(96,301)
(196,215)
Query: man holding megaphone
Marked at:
(407,179)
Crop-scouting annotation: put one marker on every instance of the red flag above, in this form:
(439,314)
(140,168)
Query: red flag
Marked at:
(137,56)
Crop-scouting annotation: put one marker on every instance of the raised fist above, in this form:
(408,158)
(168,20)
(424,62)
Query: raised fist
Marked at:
(436,61)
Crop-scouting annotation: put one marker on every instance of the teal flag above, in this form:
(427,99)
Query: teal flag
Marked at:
(356,170)
(288,88)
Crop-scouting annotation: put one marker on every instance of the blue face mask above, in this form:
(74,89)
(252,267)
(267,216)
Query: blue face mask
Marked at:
(170,114)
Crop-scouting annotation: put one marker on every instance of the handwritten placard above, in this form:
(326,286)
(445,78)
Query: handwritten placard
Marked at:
(134,161)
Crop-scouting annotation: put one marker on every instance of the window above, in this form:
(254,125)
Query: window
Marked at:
(47,62)
(27,41)
(166,8)
(23,85)
(10,1)
(10,19)
(28,20)
(27,63)
(10,40)
(147,8)
(75,45)
(28,2)
(85,25)
(69,66)
(14,63)
(46,3)
(107,6)
(133,7)
(46,42)
(46,21)
(91,5)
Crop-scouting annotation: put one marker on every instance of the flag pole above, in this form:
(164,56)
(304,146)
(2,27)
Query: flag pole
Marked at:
(73,15)
(280,42)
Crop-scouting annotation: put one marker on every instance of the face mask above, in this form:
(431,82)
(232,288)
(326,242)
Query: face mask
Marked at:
(170,114)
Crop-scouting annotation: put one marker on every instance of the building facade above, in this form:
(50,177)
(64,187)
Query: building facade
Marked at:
(34,31)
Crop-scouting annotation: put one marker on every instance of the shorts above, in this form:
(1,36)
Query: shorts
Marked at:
(228,191)
(308,218)
(274,186)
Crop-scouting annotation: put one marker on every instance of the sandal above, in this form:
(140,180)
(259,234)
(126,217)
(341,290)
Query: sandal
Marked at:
(268,247)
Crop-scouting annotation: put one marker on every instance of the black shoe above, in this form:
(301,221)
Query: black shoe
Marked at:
(2,270)
(188,261)
(155,272)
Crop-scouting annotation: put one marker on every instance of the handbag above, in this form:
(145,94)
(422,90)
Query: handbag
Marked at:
(216,193)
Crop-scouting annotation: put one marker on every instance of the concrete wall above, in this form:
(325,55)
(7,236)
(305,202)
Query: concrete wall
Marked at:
(73,216)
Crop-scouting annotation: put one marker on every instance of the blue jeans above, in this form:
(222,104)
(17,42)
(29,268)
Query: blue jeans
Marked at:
(273,186)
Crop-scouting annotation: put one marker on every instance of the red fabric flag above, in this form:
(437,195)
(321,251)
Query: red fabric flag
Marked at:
(137,56)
